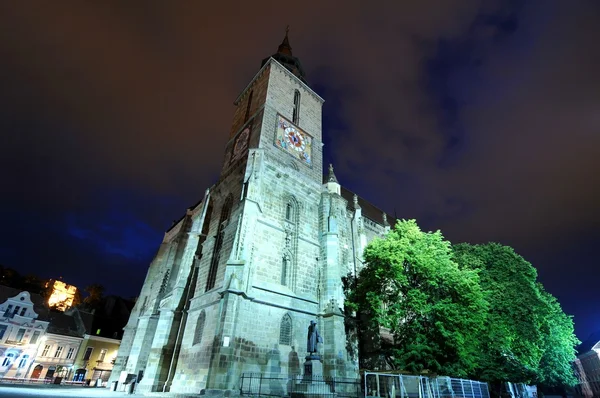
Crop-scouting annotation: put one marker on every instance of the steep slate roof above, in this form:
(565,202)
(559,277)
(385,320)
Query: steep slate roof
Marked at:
(66,325)
(39,305)
(369,210)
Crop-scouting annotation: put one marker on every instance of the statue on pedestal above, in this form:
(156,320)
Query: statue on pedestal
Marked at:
(312,340)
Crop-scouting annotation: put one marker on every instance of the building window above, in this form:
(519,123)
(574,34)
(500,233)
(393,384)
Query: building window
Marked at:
(8,359)
(102,355)
(88,353)
(291,210)
(2,331)
(285,330)
(20,335)
(46,349)
(16,310)
(285,266)
(8,311)
(58,352)
(248,107)
(23,361)
(70,352)
(35,337)
(296,111)
(199,328)
(23,311)
(214,264)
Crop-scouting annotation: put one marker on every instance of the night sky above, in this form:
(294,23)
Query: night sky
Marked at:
(479,118)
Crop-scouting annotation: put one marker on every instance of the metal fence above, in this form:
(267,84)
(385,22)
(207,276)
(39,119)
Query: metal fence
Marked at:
(260,384)
(382,385)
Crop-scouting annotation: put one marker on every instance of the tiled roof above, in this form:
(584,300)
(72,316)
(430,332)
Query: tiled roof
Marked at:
(61,323)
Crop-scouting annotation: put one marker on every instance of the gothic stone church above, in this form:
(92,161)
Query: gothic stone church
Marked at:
(237,280)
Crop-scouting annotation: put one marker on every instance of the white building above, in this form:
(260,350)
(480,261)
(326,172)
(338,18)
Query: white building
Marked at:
(23,324)
(59,347)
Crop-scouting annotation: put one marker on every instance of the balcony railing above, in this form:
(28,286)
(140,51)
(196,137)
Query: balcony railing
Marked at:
(13,342)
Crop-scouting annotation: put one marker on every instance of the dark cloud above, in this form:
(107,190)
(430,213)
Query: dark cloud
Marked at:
(479,118)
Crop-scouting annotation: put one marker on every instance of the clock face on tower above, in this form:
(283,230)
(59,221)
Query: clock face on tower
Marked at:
(293,140)
(241,142)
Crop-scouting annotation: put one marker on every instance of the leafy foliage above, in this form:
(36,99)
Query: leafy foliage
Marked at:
(559,345)
(527,337)
(422,305)
(414,290)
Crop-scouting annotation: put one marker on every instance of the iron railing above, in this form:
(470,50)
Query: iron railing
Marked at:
(385,385)
(276,385)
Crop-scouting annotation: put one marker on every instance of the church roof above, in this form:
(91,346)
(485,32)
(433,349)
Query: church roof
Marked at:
(369,210)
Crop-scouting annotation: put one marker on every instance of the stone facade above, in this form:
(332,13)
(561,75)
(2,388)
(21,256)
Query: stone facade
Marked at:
(236,281)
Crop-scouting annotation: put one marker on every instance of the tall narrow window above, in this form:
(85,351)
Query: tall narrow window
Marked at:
(23,361)
(20,335)
(58,352)
(296,111)
(88,353)
(288,212)
(199,328)
(102,354)
(46,349)
(248,106)
(2,331)
(35,337)
(214,264)
(8,359)
(70,352)
(285,265)
(285,330)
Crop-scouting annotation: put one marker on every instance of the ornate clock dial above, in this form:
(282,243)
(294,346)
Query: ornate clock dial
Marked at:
(295,139)
(242,142)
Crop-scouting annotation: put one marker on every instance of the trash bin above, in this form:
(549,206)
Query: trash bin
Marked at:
(130,387)
(113,386)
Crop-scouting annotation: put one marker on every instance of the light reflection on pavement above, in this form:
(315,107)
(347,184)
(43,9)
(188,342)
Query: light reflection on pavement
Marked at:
(32,391)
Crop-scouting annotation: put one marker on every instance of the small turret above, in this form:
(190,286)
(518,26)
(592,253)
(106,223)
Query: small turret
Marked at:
(332,183)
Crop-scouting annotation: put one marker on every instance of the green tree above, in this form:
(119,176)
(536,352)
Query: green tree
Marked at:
(559,345)
(432,309)
(512,343)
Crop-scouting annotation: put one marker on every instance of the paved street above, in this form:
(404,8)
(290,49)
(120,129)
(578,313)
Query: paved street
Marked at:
(46,391)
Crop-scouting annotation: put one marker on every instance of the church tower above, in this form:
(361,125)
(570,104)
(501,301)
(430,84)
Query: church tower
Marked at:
(238,279)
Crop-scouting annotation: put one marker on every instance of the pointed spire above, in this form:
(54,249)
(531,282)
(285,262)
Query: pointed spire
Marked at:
(284,47)
(385,220)
(355,201)
(331,176)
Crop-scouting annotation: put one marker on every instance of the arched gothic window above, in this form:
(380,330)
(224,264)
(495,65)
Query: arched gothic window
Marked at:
(214,264)
(199,328)
(291,208)
(285,330)
(296,111)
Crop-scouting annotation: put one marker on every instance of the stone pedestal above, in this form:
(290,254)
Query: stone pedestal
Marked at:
(312,384)
(312,368)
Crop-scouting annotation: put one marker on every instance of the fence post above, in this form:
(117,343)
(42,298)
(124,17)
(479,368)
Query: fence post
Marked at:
(259,384)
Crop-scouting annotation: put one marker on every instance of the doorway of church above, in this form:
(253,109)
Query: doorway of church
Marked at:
(37,371)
